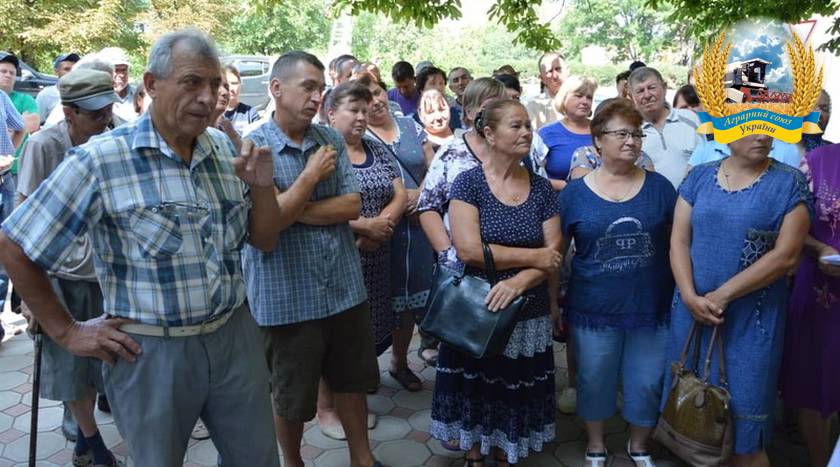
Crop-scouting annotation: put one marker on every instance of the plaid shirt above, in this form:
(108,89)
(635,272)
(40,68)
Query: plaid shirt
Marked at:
(166,235)
(10,119)
(314,271)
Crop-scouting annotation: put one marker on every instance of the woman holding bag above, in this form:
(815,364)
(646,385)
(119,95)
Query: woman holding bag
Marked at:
(503,403)
(739,225)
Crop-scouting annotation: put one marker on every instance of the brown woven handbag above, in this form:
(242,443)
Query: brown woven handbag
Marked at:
(696,424)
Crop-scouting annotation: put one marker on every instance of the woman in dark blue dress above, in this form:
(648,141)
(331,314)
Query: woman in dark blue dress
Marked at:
(503,403)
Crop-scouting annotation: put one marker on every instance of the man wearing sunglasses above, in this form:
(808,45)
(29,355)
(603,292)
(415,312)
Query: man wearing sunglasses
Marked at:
(87,97)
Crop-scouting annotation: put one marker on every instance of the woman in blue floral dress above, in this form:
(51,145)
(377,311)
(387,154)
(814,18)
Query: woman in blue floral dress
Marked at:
(739,225)
(503,403)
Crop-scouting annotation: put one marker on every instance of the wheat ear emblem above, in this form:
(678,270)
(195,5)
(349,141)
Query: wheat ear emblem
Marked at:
(807,80)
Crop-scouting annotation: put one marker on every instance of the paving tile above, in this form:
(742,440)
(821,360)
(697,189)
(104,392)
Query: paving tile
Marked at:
(62,457)
(334,458)
(402,453)
(420,420)
(10,435)
(434,445)
(379,404)
(401,412)
(413,400)
(570,453)
(567,430)
(48,444)
(8,399)
(24,388)
(419,436)
(441,461)
(11,379)
(15,362)
(540,459)
(6,422)
(16,410)
(16,346)
(49,418)
(203,453)
(390,428)
(26,399)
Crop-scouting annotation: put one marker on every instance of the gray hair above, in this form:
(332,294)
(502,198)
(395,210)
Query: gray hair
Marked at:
(160,58)
(284,65)
(643,74)
(94,62)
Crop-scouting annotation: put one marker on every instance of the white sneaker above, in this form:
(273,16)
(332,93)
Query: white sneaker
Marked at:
(567,401)
(200,431)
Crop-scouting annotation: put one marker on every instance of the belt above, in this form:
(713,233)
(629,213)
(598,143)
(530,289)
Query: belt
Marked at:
(207,327)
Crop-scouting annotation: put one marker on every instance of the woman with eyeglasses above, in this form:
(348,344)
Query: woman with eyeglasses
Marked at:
(620,290)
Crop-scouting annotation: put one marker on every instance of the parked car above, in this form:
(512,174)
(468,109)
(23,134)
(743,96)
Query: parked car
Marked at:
(255,71)
(31,81)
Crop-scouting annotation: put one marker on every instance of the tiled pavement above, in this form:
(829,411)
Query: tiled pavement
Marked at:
(401,437)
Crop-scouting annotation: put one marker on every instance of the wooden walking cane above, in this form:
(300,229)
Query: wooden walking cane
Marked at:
(36,390)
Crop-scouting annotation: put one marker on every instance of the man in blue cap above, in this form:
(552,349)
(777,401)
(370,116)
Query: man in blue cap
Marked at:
(48,98)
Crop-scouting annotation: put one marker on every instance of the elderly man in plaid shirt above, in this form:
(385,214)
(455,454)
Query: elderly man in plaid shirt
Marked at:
(168,207)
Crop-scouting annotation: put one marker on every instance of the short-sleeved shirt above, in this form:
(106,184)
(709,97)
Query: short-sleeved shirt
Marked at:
(541,110)
(25,104)
(241,116)
(519,226)
(10,120)
(561,144)
(408,105)
(587,158)
(314,271)
(47,100)
(124,108)
(167,234)
(43,153)
(671,148)
(714,151)
(621,277)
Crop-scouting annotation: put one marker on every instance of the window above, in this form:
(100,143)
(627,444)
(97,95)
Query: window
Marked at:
(252,68)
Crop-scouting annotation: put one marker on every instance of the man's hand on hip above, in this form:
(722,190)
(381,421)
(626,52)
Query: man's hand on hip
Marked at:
(100,338)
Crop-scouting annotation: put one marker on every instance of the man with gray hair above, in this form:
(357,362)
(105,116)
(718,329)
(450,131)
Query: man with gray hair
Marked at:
(670,134)
(168,205)
(88,62)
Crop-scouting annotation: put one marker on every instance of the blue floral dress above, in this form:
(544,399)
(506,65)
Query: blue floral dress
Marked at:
(376,183)
(507,401)
(731,230)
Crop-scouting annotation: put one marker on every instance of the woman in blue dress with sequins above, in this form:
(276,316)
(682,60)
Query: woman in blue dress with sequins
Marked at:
(739,225)
(503,403)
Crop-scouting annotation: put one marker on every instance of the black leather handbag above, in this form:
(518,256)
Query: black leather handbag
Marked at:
(456,313)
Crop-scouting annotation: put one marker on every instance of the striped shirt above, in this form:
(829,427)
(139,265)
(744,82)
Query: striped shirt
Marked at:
(166,234)
(671,148)
(314,271)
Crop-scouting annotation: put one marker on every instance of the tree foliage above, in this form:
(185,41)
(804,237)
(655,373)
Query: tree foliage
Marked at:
(270,27)
(628,28)
(704,19)
(519,17)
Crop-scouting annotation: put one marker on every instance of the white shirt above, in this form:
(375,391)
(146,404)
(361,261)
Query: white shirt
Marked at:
(671,148)
(541,110)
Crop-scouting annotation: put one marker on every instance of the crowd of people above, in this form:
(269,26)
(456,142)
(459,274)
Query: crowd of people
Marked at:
(203,267)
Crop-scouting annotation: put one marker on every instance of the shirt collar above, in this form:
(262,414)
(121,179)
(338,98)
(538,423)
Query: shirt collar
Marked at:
(280,138)
(672,117)
(145,136)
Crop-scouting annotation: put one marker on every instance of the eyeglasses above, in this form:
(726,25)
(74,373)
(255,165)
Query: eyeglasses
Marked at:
(622,135)
(99,116)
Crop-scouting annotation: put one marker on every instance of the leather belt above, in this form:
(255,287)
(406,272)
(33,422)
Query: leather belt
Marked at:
(207,327)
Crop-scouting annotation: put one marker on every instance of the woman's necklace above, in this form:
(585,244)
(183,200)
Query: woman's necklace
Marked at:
(505,194)
(613,198)
(726,173)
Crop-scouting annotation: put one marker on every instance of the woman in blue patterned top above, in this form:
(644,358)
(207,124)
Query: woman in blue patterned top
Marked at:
(739,225)
(620,290)
(503,403)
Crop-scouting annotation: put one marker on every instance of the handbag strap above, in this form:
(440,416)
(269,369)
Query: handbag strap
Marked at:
(489,263)
(693,336)
(717,338)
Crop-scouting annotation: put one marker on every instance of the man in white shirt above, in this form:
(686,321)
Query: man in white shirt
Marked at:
(553,70)
(670,134)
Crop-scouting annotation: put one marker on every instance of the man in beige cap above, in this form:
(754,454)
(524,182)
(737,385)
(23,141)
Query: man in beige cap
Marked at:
(86,97)
(124,107)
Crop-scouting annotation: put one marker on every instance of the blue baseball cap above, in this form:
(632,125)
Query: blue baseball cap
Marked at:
(9,58)
(71,57)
